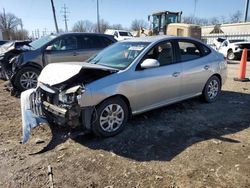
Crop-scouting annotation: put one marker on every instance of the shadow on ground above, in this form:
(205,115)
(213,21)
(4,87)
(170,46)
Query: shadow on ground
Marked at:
(164,133)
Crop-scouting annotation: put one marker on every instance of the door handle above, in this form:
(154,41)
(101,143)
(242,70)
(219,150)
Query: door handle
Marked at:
(176,74)
(206,67)
(75,54)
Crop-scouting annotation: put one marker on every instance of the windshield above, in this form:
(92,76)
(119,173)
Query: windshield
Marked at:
(42,41)
(125,34)
(119,55)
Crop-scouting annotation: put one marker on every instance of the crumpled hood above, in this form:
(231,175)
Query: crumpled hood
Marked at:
(16,45)
(56,73)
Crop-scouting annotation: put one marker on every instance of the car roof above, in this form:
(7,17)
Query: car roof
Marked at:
(152,39)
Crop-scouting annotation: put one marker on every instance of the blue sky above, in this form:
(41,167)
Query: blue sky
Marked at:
(37,14)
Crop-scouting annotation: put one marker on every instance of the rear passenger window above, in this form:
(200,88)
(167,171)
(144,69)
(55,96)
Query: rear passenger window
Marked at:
(189,51)
(105,41)
(93,42)
(89,42)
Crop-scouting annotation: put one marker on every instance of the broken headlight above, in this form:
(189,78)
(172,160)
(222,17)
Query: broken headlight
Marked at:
(70,95)
(66,98)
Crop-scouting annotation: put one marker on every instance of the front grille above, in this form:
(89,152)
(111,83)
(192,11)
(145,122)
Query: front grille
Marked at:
(35,103)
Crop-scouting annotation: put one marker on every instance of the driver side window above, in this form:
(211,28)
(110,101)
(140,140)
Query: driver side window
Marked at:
(66,43)
(163,52)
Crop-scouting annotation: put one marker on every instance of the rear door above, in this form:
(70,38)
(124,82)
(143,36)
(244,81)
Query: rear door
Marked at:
(63,49)
(195,64)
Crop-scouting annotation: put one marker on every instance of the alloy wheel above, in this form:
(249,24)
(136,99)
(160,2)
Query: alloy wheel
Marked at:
(28,80)
(213,89)
(111,117)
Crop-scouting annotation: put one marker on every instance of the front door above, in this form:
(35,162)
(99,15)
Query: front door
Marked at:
(158,86)
(64,49)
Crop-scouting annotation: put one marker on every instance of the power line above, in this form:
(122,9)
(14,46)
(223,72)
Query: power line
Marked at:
(65,16)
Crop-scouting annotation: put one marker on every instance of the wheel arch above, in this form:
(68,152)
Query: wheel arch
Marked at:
(122,97)
(32,64)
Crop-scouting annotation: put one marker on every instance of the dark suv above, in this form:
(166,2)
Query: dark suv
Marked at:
(69,47)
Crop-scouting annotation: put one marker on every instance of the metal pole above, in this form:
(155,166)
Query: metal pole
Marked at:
(98,17)
(246,10)
(54,14)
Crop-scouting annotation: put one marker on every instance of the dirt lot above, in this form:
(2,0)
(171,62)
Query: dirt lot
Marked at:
(189,144)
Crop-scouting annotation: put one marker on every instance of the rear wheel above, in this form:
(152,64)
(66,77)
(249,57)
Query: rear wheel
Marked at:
(230,55)
(212,89)
(26,78)
(110,118)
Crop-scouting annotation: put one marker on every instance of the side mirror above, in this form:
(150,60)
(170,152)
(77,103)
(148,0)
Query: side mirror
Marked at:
(150,63)
(49,48)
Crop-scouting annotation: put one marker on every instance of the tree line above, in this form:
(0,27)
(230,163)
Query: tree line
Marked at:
(12,27)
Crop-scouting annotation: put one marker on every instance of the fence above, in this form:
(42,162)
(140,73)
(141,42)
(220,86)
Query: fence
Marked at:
(209,38)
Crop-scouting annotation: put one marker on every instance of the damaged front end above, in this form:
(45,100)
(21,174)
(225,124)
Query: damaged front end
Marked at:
(48,105)
(58,98)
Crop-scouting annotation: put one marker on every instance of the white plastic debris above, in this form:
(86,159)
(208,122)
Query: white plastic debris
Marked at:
(29,120)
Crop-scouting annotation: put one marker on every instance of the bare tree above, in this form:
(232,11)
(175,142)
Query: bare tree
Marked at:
(214,21)
(236,17)
(21,34)
(116,26)
(8,23)
(195,20)
(83,26)
(103,26)
(138,24)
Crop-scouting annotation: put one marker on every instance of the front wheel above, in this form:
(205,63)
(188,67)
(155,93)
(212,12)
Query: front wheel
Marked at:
(26,78)
(230,55)
(110,117)
(212,89)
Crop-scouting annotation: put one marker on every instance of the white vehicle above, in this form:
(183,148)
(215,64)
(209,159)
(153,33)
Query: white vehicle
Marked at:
(119,34)
(232,49)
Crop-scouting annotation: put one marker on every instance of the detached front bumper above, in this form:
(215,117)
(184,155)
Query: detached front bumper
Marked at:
(36,110)
(29,119)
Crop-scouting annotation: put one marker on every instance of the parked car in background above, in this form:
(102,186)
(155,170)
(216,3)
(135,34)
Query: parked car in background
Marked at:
(67,47)
(232,49)
(8,51)
(127,78)
(119,34)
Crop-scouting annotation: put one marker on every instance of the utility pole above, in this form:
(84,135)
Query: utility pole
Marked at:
(98,16)
(54,15)
(65,17)
(246,10)
(195,6)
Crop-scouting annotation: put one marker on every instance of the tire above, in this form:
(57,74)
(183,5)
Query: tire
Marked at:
(105,124)
(212,89)
(26,78)
(230,55)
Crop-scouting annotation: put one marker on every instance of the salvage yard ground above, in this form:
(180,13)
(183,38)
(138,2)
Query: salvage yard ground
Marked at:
(189,144)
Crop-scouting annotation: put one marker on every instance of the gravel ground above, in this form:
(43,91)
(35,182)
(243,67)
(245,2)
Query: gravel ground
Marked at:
(189,144)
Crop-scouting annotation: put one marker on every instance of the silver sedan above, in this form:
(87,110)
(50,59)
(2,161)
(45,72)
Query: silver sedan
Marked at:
(127,78)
